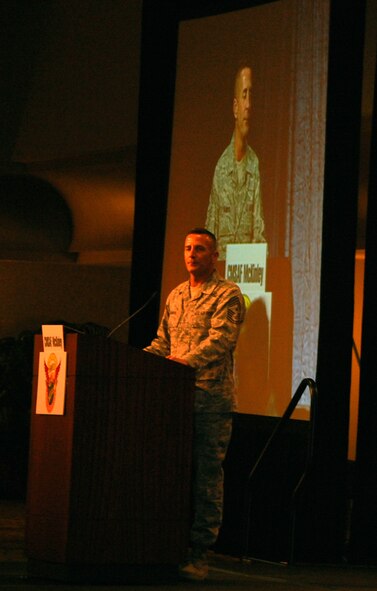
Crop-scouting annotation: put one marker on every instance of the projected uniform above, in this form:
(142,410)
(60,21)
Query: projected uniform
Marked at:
(201,326)
(235,213)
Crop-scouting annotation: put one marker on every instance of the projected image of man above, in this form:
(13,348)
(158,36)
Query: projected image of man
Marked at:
(235,211)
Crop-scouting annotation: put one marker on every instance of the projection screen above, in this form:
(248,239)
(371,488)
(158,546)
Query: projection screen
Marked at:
(285,43)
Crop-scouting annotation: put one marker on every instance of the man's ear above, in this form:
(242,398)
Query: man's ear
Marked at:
(235,108)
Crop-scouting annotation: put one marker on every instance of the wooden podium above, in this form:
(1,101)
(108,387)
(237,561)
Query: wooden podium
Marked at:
(109,481)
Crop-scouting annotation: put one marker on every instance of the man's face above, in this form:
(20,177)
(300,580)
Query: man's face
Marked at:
(200,255)
(242,101)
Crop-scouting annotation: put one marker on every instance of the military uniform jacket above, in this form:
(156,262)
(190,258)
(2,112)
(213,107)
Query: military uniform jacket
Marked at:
(235,212)
(203,331)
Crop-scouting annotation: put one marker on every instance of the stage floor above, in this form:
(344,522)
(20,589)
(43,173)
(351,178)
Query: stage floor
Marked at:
(225,572)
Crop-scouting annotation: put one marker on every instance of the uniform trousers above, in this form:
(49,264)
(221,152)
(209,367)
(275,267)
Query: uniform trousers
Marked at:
(212,432)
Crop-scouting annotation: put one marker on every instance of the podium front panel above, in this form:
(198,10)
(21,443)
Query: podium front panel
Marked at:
(109,481)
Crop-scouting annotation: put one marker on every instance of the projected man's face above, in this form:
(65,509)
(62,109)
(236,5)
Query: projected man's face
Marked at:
(242,102)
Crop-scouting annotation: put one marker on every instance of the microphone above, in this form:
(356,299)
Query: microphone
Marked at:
(74,329)
(132,315)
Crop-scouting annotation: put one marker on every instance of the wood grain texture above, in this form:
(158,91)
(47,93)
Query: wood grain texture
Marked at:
(109,481)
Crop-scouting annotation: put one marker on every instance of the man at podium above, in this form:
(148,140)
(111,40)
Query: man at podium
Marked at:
(200,328)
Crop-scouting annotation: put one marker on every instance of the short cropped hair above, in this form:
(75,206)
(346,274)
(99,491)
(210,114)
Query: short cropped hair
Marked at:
(242,66)
(205,232)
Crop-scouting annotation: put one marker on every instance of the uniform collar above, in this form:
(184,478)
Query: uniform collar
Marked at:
(206,287)
(249,167)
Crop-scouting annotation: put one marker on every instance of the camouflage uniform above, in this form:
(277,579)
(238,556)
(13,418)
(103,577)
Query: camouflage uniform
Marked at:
(203,331)
(235,212)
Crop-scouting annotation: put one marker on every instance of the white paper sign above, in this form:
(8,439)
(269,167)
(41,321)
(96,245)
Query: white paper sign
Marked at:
(246,266)
(52,372)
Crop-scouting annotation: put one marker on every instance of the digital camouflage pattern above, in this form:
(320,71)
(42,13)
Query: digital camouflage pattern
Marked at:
(235,211)
(203,330)
(211,440)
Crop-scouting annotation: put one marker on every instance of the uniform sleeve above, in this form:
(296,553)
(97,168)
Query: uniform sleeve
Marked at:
(161,344)
(223,332)
(213,210)
(258,217)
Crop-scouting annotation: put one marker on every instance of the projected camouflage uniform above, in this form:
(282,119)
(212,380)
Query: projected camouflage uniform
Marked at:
(203,330)
(235,212)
